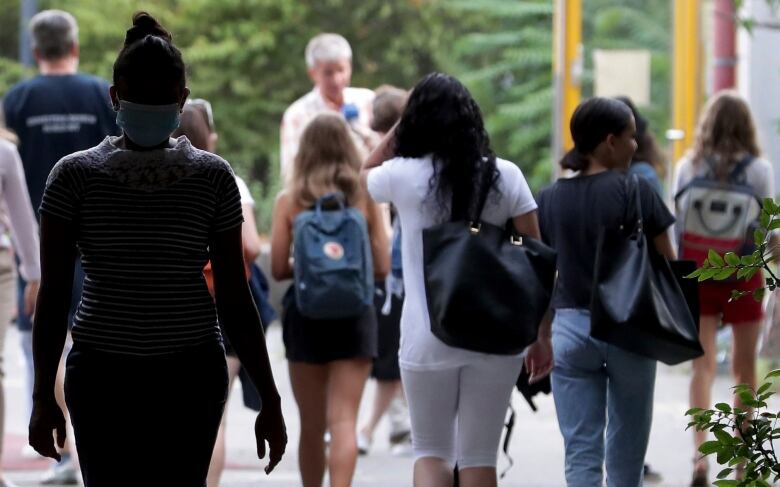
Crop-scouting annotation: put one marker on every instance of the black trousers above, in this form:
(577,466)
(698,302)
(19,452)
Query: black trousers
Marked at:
(148,421)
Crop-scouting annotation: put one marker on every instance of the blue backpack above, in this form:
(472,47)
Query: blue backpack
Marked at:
(333,267)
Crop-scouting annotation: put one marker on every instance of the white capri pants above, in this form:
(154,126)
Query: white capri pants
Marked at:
(457,414)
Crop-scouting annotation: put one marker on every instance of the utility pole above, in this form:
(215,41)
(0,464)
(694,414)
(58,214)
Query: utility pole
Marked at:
(567,73)
(686,83)
(27,8)
(725,52)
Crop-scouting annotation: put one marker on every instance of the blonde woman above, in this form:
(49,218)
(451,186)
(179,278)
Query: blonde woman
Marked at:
(725,138)
(329,360)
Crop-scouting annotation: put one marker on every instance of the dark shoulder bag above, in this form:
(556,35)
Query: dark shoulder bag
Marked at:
(637,303)
(487,287)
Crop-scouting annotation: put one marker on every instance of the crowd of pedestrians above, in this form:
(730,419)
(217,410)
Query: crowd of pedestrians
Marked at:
(145,278)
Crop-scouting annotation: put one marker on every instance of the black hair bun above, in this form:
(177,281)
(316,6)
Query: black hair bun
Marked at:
(145,25)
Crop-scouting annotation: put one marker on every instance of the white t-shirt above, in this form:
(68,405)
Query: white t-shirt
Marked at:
(405,183)
(243,191)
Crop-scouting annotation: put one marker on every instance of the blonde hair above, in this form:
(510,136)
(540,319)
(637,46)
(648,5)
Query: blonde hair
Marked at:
(327,161)
(726,133)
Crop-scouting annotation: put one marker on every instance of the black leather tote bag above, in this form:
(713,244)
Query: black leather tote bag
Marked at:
(487,288)
(637,303)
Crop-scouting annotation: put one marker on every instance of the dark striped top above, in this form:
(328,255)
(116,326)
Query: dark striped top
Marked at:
(144,220)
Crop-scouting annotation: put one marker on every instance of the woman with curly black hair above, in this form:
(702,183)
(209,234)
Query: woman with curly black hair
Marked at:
(439,162)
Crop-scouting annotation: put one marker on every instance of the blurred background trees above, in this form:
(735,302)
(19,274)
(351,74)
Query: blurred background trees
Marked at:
(246,57)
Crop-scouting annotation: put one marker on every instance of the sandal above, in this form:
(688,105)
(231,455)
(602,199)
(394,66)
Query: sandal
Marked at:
(700,475)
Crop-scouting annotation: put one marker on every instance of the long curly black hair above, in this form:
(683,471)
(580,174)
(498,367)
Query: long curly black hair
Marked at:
(442,120)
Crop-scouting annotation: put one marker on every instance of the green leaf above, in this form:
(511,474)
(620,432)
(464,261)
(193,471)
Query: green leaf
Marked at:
(725,473)
(751,272)
(773,374)
(709,447)
(746,396)
(731,258)
(708,274)
(724,455)
(736,295)
(764,387)
(759,236)
(743,272)
(693,411)
(714,258)
(694,274)
(737,460)
(724,273)
(758,294)
(764,219)
(726,483)
(770,206)
(723,437)
(774,225)
(722,406)
(747,260)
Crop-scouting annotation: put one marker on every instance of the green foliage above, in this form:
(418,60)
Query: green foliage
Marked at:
(9,39)
(718,268)
(11,73)
(246,57)
(505,59)
(634,24)
(742,437)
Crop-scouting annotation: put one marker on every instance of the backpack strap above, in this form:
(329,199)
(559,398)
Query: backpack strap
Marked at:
(738,173)
(510,426)
(633,216)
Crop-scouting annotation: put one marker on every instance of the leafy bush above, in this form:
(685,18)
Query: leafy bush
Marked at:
(744,437)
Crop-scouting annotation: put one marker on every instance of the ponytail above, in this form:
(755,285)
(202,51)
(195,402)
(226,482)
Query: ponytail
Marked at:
(574,161)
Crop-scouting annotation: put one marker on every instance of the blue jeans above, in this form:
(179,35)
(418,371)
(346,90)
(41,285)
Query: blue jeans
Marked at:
(600,391)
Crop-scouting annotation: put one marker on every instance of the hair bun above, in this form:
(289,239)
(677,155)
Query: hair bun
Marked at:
(145,25)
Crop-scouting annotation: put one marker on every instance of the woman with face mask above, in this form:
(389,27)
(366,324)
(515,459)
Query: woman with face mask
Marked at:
(146,380)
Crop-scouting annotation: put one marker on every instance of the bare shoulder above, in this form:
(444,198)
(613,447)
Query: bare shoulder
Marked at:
(285,207)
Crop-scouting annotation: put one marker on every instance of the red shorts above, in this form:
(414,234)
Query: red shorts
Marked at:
(714,300)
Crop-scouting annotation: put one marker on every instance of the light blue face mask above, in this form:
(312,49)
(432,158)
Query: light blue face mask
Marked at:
(148,125)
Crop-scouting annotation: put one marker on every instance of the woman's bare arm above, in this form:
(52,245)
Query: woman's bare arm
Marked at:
(663,244)
(249,235)
(380,243)
(281,238)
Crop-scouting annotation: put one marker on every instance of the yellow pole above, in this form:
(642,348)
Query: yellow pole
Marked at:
(567,71)
(686,72)
(572,90)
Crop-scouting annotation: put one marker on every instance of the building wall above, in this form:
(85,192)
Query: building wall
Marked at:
(758,77)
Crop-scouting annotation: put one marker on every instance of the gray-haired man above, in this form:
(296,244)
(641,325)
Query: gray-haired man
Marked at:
(56,113)
(329,64)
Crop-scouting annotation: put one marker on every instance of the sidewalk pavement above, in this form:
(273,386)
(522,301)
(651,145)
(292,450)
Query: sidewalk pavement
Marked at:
(536,446)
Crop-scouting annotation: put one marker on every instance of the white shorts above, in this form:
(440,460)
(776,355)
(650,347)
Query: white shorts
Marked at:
(458,414)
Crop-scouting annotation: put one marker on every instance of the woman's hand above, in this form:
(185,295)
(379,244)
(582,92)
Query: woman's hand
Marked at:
(539,359)
(46,419)
(269,426)
(30,297)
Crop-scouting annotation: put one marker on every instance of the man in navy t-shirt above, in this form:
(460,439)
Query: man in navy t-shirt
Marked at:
(56,113)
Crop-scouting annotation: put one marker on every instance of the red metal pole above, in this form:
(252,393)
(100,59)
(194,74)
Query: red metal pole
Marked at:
(725,52)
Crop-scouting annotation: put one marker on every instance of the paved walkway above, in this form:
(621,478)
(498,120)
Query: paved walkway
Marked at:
(536,447)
